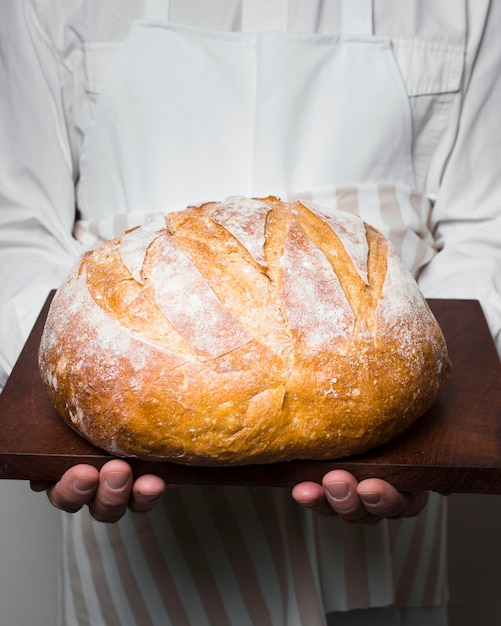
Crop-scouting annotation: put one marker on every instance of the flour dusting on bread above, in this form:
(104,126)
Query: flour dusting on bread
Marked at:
(242,331)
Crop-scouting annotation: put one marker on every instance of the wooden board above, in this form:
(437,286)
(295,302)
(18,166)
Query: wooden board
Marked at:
(455,447)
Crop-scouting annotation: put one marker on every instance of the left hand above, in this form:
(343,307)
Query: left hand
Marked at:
(368,501)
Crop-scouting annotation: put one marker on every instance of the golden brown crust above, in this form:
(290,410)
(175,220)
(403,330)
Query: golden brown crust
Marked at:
(246,331)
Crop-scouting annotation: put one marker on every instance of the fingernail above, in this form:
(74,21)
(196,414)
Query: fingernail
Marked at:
(338,491)
(116,481)
(84,485)
(371,498)
(150,497)
(309,504)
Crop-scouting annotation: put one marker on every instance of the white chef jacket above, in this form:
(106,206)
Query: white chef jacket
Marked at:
(54,59)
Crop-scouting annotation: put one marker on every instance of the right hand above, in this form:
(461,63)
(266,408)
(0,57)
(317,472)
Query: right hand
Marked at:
(108,492)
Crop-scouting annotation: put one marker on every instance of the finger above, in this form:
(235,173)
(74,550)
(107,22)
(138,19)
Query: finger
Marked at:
(340,488)
(75,489)
(146,492)
(382,500)
(311,495)
(111,498)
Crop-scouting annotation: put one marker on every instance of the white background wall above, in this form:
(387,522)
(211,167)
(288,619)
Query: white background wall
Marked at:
(30,533)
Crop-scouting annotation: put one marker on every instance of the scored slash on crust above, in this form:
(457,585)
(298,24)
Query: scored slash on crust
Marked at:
(304,262)
(245,331)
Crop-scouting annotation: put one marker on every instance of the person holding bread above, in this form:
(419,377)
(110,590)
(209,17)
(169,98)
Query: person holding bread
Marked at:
(114,111)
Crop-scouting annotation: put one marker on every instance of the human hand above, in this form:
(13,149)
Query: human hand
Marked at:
(108,492)
(368,501)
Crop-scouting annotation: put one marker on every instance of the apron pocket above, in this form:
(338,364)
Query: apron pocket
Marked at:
(432,74)
(429,68)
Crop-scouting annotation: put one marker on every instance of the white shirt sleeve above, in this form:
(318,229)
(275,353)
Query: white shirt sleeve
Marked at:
(37,205)
(467,212)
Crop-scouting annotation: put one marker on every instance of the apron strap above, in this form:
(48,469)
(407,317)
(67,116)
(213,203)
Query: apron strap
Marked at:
(357,17)
(157,9)
(264,15)
(273,15)
(257,15)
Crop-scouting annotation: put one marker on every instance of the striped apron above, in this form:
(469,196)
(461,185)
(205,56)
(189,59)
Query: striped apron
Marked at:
(188,115)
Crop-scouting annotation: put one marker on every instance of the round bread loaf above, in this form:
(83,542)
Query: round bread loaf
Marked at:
(245,331)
